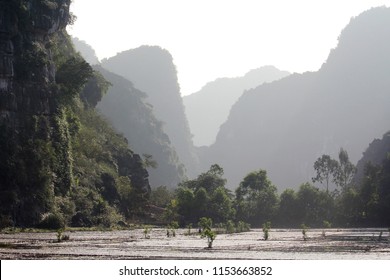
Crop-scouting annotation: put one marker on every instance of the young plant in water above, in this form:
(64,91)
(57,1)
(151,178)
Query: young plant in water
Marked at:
(205,224)
(59,234)
(266,228)
(147,230)
(304,231)
(174,226)
(211,235)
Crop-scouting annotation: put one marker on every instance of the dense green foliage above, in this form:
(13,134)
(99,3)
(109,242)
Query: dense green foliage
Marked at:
(205,196)
(61,163)
(256,201)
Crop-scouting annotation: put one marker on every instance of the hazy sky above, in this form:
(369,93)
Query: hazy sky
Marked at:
(209,39)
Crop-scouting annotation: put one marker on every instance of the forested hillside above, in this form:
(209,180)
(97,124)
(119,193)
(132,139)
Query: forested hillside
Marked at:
(62,164)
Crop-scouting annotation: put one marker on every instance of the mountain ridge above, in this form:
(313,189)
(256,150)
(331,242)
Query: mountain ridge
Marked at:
(285,125)
(208,108)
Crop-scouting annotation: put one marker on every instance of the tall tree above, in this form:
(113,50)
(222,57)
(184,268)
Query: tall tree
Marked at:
(326,168)
(345,171)
(256,198)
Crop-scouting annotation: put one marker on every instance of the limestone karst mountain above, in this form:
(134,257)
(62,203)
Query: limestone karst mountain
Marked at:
(124,106)
(152,71)
(86,51)
(375,154)
(286,125)
(209,108)
(61,163)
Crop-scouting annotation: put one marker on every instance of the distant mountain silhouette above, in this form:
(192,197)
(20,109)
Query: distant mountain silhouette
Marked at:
(376,153)
(151,69)
(124,106)
(86,51)
(286,125)
(208,108)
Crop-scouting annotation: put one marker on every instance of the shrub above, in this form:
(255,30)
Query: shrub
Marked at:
(147,230)
(242,226)
(211,235)
(230,226)
(304,231)
(205,224)
(52,221)
(266,228)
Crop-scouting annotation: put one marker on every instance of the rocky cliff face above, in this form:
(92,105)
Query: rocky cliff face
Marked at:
(28,103)
(26,59)
(57,164)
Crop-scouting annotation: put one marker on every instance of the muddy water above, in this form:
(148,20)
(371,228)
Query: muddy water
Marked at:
(132,244)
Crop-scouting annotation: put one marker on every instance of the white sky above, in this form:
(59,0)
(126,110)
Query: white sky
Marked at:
(209,39)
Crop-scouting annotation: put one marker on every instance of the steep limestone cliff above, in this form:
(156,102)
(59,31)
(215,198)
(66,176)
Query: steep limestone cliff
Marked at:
(45,170)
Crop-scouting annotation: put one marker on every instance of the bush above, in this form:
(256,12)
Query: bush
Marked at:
(266,228)
(242,226)
(230,226)
(52,221)
(81,220)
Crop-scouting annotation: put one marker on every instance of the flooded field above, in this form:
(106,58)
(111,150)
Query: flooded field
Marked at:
(283,244)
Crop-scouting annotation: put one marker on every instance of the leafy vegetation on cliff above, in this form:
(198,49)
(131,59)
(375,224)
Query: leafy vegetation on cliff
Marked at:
(127,110)
(62,163)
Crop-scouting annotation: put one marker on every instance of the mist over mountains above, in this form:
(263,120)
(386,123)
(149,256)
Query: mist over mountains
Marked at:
(125,108)
(284,126)
(86,51)
(151,69)
(208,108)
(281,126)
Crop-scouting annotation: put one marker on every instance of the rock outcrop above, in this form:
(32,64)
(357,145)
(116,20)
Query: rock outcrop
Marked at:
(55,161)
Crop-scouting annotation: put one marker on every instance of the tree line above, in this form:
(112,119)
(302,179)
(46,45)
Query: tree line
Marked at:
(256,201)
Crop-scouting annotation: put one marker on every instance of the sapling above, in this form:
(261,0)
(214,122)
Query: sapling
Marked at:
(147,230)
(59,234)
(205,224)
(189,226)
(266,228)
(173,226)
(211,235)
(304,231)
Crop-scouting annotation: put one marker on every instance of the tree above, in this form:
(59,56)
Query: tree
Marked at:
(256,198)
(210,180)
(288,214)
(345,171)
(205,196)
(161,196)
(325,167)
(314,206)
